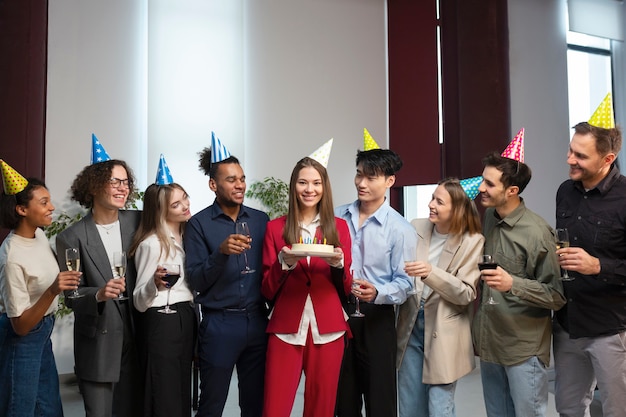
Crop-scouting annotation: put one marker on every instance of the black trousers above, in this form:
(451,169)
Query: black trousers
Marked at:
(168,346)
(368,371)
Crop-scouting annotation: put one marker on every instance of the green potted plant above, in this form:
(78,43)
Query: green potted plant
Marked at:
(272,193)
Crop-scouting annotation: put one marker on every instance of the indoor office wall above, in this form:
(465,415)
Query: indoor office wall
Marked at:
(96,83)
(274,80)
(539,99)
(314,70)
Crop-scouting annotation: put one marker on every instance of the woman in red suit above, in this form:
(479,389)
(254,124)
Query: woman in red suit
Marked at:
(308,324)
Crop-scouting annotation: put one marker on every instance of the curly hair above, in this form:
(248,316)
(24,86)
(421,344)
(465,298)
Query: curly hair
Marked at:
(92,180)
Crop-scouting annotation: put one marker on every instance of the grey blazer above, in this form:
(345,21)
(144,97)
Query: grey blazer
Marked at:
(448,350)
(98,327)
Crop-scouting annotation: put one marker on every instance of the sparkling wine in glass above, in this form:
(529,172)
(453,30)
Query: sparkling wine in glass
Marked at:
(487,262)
(410,252)
(119,265)
(360,275)
(72,260)
(243,229)
(562,241)
(172,275)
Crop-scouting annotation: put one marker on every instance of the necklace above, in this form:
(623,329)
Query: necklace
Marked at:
(107,227)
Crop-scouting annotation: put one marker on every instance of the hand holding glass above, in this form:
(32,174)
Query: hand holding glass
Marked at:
(562,241)
(487,262)
(409,256)
(72,261)
(359,275)
(172,274)
(119,263)
(242,229)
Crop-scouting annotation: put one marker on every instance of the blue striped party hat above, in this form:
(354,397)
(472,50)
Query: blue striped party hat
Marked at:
(218,150)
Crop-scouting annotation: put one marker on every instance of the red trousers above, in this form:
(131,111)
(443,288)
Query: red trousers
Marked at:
(283,368)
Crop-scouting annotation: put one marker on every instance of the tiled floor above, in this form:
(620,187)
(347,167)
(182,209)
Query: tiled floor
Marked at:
(469,401)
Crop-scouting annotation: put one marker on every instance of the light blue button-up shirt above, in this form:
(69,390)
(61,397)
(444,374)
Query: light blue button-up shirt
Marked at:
(378,249)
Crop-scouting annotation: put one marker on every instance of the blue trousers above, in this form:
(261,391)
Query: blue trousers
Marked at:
(28,373)
(226,339)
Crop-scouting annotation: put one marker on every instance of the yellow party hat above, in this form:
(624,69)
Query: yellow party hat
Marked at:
(13,181)
(368,141)
(603,116)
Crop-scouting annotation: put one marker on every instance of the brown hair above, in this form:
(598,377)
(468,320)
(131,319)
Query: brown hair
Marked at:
(607,140)
(465,218)
(92,180)
(291,232)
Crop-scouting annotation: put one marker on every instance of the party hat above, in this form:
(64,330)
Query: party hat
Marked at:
(13,181)
(322,154)
(470,186)
(98,154)
(603,116)
(164,176)
(368,141)
(218,151)
(515,150)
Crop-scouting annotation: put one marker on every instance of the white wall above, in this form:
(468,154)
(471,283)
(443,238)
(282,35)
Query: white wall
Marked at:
(538,82)
(313,70)
(96,83)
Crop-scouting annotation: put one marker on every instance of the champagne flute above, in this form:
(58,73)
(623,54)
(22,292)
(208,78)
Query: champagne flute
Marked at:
(562,241)
(409,256)
(172,275)
(487,262)
(360,275)
(119,264)
(243,229)
(72,260)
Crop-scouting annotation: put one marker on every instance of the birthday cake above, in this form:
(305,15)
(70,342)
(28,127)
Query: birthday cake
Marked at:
(312,248)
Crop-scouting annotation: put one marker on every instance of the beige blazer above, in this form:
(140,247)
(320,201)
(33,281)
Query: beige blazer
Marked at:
(448,350)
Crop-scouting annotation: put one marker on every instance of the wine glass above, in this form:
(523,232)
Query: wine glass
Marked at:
(243,229)
(562,241)
(360,275)
(172,275)
(72,260)
(487,262)
(410,256)
(119,264)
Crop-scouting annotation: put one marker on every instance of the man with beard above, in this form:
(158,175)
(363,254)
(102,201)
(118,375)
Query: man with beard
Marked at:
(232,331)
(512,335)
(590,332)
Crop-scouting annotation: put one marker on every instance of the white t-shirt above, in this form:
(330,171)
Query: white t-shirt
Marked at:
(27,268)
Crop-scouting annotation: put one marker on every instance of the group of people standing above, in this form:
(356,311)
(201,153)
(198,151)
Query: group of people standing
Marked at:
(389,321)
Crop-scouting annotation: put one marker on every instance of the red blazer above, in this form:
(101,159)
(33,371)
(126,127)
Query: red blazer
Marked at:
(288,289)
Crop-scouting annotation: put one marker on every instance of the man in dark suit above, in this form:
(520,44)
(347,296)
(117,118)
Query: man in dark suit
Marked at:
(232,331)
(104,347)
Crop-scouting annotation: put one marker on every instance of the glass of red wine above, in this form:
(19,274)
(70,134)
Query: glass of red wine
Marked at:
(487,262)
(172,274)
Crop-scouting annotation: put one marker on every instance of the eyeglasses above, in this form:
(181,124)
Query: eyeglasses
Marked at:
(116,182)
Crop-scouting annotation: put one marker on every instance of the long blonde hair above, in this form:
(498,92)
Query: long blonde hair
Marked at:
(153,219)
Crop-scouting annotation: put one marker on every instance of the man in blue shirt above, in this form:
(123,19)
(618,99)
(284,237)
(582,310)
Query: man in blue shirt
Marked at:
(379,235)
(232,331)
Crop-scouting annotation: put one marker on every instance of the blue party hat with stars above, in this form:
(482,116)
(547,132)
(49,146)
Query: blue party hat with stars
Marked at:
(164,176)
(470,186)
(218,150)
(98,154)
